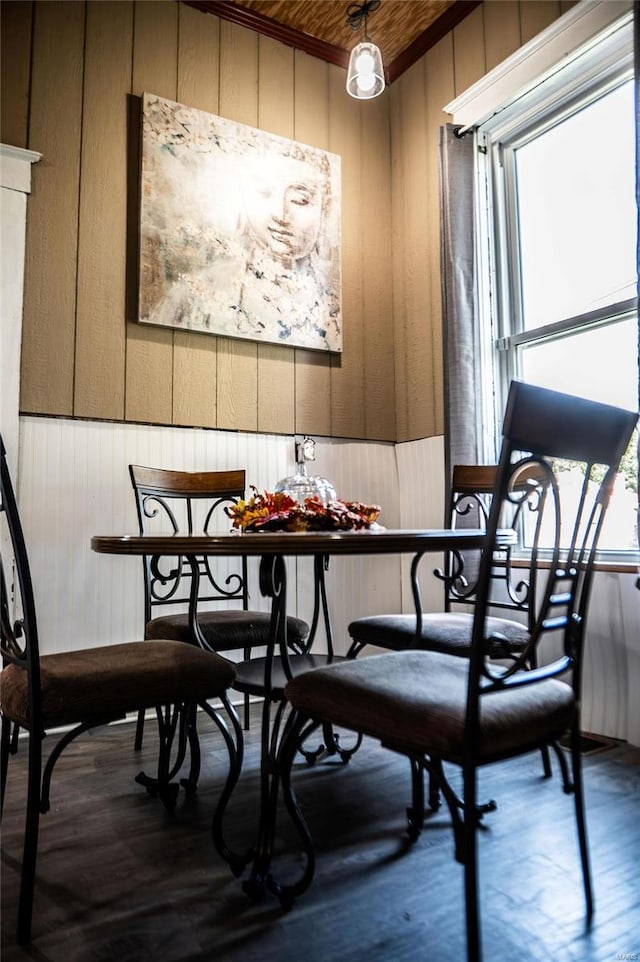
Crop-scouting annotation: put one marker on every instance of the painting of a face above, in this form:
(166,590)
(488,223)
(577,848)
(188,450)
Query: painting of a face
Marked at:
(239,230)
(283,205)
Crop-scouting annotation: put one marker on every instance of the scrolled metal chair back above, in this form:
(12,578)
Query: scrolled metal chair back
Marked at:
(513,575)
(567,450)
(188,502)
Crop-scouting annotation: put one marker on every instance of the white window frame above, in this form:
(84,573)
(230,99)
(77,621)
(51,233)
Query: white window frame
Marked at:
(513,104)
(595,72)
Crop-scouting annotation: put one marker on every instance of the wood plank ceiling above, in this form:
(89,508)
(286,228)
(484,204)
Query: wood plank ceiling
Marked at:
(403,29)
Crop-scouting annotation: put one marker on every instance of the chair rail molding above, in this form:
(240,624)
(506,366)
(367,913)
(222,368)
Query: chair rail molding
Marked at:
(15,167)
(15,180)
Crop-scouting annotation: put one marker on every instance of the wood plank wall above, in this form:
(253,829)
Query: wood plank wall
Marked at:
(492,32)
(72,73)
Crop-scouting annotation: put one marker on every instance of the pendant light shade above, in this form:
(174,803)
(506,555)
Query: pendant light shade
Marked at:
(365,76)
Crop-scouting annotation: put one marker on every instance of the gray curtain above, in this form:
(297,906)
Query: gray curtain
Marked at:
(636,62)
(463,443)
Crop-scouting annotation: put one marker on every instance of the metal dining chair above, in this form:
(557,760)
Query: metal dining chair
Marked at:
(77,690)
(188,501)
(436,708)
(513,584)
(513,589)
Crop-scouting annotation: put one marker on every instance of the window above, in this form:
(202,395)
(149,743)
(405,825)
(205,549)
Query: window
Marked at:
(557,240)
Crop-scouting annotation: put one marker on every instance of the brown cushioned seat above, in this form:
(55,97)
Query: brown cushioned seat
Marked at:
(226,630)
(417,701)
(445,631)
(143,674)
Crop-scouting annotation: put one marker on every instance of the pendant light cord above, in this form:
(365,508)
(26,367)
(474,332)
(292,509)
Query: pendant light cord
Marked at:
(357,13)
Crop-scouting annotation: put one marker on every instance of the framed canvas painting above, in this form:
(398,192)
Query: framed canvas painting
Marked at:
(239,230)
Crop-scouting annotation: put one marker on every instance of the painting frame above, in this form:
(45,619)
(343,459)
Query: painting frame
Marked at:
(240,230)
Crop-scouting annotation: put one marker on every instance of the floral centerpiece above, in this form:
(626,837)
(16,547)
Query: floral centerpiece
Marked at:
(279,512)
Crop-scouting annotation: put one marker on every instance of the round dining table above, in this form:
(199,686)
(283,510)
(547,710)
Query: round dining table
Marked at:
(273,548)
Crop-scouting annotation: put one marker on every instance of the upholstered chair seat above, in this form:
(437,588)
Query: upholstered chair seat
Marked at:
(417,701)
(143,674)
(226,630)
(445,631)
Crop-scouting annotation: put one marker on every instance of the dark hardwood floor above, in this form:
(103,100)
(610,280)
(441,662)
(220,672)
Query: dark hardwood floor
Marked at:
(119,878)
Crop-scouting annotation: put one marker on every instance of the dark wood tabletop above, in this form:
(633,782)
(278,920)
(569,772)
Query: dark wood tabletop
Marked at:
(370,541)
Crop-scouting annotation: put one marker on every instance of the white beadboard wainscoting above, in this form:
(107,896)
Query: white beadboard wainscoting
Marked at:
(74,482)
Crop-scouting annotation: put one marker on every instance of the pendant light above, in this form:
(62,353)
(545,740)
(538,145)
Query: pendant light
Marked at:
(365,76)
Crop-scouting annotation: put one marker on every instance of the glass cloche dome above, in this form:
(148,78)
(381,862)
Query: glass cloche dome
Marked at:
(301,485)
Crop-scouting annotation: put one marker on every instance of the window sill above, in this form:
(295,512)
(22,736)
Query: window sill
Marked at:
(615,567)
(621,567)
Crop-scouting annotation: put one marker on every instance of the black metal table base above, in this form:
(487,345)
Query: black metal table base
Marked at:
(276,725)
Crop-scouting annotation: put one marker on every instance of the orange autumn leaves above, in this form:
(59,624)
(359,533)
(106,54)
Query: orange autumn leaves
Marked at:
(265,511)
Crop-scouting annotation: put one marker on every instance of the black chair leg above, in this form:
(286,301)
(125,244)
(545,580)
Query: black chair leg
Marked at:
(544,751)
(234,742)
(190,783)
(247,705)
(576,761)
(470,859)
(30,853)
(415,814)
(171,719)
(434,793)
(5,742)
(139,731)
(567,783)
